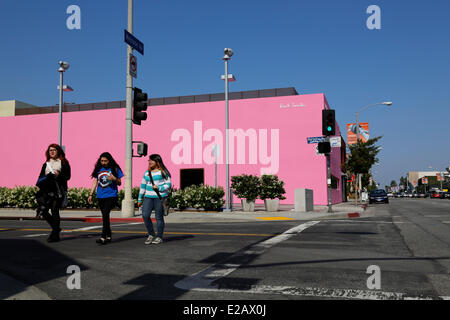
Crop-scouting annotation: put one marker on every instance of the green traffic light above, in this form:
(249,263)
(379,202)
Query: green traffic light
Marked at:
(329,128)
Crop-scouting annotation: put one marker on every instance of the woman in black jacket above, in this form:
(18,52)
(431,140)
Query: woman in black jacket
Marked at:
(52,185)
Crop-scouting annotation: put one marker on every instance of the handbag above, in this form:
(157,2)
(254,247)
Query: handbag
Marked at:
(41,181)
(164,201)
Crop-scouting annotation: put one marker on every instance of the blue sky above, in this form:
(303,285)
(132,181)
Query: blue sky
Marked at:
(320,46)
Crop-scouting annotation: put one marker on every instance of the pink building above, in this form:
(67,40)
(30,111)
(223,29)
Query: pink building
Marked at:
(268,134)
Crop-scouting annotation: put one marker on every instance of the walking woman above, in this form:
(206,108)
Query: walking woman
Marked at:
(154,189)
(52,183)
(107,176)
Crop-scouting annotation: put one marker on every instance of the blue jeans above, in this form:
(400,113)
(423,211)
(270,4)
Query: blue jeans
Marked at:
(147,206)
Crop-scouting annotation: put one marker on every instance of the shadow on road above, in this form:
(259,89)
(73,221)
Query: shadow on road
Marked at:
(31,262)
(155,287)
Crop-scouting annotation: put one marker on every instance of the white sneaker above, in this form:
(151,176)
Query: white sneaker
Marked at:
(157,240)
(149,239)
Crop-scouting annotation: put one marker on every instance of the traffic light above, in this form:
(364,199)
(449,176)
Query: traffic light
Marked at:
(142,149)
(139,106)
(324,147)
(328,123)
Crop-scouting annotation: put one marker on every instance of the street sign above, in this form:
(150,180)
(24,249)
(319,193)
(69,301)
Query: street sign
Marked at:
(335,142)
(134,42)
(315,139)
(133,66)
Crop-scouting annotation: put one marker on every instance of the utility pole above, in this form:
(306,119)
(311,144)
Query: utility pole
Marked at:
(128,202)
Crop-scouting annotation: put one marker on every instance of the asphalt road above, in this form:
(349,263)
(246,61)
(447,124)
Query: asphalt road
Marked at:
(407,241)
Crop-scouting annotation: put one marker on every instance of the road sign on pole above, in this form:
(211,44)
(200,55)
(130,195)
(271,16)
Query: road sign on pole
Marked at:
(311,140)
(134,42)
(133,66)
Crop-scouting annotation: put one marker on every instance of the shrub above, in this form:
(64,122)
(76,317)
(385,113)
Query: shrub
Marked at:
(177,199)
(203,197)
(246,186)
(271,187)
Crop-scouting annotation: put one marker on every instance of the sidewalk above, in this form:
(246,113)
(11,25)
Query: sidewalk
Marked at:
(285,212)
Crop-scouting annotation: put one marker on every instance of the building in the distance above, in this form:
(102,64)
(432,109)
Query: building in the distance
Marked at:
(13,107)
(269,131)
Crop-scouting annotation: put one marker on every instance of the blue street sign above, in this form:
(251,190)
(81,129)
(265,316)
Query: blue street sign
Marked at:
(315,139)
(134,42)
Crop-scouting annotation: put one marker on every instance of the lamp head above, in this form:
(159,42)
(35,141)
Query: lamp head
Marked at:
(63,66)
(228,53)
(387,103)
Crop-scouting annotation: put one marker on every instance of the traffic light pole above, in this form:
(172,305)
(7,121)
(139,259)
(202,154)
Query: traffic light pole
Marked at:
(128,202)
(328,155)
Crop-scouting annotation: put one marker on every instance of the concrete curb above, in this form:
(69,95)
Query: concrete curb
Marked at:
(339,211)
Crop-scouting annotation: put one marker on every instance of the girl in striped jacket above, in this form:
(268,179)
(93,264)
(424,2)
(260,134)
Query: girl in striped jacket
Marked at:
(149,199)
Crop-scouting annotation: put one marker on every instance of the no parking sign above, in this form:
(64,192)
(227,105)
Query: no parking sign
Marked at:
(133,66)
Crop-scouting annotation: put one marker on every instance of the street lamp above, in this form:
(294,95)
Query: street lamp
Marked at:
(367,107)
(227,77)
(63,66)
(388,103)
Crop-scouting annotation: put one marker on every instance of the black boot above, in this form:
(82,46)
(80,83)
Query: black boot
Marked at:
(54,237)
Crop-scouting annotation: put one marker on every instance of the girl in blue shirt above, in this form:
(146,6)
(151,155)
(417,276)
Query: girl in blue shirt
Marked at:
(106,175)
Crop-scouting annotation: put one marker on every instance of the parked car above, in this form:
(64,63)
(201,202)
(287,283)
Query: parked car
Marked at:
(377,196)
(390,195)
(421,195)
(445,195)
(435,194)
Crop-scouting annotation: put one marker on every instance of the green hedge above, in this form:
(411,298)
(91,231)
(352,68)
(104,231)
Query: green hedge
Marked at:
(198,197)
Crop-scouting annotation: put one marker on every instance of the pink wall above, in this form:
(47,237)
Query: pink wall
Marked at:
(278,126)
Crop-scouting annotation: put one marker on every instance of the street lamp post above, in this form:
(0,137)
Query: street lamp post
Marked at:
(228,53)
(63,66)
(357,132)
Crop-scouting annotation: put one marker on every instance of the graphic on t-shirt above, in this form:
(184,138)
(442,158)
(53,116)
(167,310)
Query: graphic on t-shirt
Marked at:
(103,179)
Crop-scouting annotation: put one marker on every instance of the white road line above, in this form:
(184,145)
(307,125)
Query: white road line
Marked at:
(202,280)
(354,221)
(35,235)
(326,293)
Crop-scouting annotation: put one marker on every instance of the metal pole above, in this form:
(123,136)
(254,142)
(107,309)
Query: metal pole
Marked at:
(357,174)
(227,206)
(128,202)
(329,179)
(60,106)
(215,165)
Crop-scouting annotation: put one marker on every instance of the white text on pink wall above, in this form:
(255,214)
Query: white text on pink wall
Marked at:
(190,148)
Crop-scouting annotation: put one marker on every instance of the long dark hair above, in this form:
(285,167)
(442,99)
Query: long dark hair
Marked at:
(157,158)
(61,154)
(112,164)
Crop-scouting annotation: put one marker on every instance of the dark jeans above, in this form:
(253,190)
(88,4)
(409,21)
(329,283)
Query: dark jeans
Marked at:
(54,219)
(148,205)
(106,205)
